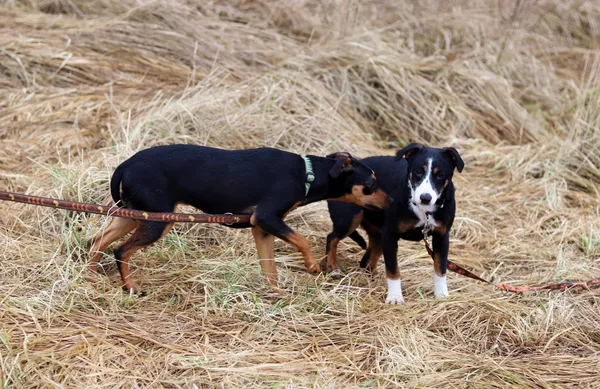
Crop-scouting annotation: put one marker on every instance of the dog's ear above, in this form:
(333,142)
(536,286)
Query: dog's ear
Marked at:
(343,164)
(408,151)
(453,154)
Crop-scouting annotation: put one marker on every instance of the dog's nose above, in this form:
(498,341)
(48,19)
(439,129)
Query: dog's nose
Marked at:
(425,198)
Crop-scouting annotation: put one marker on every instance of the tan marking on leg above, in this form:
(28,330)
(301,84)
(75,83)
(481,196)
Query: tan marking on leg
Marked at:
(265,247)
(332,255)
(375,252)
(117,228)
(126,279)
(129,248)
(392,276)
(143,236)
(302,245)
(439,228)
(437,264)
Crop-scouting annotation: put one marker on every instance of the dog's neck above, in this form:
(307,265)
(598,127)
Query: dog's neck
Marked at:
(321,188)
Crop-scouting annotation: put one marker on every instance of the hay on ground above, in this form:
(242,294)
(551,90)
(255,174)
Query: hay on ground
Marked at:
(514,85)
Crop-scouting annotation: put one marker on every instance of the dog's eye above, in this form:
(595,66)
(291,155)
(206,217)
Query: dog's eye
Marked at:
(370,188)
(441,176)
(419,172)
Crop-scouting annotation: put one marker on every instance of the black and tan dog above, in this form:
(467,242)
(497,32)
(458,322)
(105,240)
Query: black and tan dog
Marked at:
(266,183)
(419,179)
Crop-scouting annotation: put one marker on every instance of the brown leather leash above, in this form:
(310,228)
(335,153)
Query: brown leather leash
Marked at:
(229,219)
(114,211)
(505,287)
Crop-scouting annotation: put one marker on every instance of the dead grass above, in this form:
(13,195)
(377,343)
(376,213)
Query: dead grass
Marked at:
(514,85)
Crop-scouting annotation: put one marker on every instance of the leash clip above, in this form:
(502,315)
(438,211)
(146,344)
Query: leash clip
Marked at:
(427,228)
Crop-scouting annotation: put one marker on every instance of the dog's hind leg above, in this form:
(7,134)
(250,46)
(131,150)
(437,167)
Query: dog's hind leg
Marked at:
(330,262)
(374,249)
(343,226)
(117,228)
(265,247)
(145,234)
(355,236)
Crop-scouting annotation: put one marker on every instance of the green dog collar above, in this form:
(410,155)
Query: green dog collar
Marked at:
(310,175)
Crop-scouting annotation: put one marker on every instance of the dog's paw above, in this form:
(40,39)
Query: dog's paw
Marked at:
(394,299)
(336,273)
(135,291)
(324,267)
(315,268)
(91,275)
(440,287)
(372,270)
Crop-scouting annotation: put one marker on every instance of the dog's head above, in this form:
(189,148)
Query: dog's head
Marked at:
(356,182)
(429,172)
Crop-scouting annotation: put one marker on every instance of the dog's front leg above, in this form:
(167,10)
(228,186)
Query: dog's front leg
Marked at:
(441,244)
(275,226)
(392,275)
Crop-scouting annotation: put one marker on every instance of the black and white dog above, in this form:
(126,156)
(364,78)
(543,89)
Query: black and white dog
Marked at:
(419,179)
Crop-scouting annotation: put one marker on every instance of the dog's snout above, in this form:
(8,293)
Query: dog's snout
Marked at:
(381,200)
(425,198)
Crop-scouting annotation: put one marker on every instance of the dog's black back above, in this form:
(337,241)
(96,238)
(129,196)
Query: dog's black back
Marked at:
(209,179)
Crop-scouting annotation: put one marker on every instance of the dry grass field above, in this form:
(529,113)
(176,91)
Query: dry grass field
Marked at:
(513,85)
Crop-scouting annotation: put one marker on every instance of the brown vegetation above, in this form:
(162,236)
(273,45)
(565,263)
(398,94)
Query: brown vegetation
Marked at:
(514,85)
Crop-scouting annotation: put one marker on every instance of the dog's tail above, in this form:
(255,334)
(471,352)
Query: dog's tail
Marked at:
(355,236)
(115,185)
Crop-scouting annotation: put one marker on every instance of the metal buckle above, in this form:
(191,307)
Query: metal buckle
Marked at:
(228,214)
(310,177)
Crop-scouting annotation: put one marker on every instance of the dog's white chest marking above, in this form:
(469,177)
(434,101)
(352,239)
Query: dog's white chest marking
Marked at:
(421,214)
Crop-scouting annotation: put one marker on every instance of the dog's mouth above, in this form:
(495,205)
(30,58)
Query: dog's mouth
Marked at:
(423,207)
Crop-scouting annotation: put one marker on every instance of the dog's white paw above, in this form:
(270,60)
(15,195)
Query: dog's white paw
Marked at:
(440,287)
(394,294)
(396,299)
